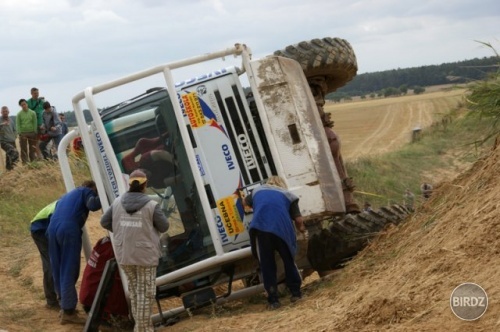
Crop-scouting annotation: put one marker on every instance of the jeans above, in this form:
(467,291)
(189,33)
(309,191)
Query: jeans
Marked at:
(44,147)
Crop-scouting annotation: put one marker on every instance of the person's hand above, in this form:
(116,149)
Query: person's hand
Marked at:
(299,224)
(303,236)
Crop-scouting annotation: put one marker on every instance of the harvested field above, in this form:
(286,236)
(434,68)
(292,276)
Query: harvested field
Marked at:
(370,127)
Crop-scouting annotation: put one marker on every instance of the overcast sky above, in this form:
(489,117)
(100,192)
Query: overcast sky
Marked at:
(63,46)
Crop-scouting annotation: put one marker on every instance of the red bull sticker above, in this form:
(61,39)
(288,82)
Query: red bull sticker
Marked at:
(193,110)
(231,218)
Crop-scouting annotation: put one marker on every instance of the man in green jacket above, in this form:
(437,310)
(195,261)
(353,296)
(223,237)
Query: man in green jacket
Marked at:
(27,128)
(38,228)
(35,103)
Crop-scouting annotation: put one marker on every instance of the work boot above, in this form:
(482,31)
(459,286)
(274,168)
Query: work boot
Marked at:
(72,317)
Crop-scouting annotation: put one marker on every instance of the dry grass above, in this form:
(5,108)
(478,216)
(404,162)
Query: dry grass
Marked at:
(401,282)
(374,127)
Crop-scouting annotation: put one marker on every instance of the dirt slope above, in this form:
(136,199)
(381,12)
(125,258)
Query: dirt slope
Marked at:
(404,279)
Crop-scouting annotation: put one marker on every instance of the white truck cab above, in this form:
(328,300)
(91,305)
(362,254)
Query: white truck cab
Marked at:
(205,143)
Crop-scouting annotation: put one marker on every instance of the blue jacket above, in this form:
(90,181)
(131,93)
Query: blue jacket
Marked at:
(271,213)
(73,208)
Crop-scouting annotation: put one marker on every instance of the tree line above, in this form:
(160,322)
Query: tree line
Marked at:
(399,81)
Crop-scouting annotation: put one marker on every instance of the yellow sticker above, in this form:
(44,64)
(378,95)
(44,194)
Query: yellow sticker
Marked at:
(193,110)
(230,216)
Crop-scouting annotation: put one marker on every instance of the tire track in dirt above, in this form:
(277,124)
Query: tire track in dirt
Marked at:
(369,141)
(401,134)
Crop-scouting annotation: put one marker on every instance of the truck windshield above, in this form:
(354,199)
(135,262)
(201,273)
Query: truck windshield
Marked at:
(146,135)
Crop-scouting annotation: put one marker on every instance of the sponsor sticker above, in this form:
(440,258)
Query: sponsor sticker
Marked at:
(231,218)
(107,165)
(193,110)
(200,165)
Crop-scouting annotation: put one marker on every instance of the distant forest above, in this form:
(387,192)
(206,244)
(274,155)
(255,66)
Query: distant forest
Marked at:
(389,82)
(398,81)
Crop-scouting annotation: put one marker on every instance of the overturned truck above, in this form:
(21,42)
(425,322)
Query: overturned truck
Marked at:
(207,142)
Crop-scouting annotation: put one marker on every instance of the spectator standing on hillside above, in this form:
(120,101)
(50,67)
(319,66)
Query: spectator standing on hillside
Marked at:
(65,244)
(51,127)
(136,222)
(426,189)
(409,199)
(64,125)
(275,210)
(35,103)
(38,228)
(27,129)
(8,139)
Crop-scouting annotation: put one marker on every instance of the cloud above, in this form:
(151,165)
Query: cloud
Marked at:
(98,17)
(62,46)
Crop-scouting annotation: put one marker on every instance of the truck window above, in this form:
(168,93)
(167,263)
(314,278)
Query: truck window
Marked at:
(148,138)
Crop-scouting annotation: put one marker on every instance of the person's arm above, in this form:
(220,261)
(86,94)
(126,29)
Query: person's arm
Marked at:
(299,223)
(18,130)
(142,146)
(107,219)
(297,216)
(57,122)
(160,222)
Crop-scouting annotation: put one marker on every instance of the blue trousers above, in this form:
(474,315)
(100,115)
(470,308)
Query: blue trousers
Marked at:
(65,245)
(267,245)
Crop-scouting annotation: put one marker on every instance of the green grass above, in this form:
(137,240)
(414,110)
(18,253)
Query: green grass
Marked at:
(25,191)
(383,179)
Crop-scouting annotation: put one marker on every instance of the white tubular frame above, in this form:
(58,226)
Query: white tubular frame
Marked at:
(91,153)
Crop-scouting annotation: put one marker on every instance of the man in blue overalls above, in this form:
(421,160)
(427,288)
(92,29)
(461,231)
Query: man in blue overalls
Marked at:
(65,244)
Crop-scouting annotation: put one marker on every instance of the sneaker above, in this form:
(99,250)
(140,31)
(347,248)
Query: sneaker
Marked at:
(273,306)
(295,298)
(73,318)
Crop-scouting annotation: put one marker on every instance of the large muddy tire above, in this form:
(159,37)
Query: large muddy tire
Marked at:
(332,58)
(345,237)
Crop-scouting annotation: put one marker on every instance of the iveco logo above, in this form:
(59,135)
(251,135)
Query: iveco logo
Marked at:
(247,152)
(227,156)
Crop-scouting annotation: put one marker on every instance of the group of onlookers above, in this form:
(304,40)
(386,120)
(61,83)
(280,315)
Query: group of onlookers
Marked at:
(39,128)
